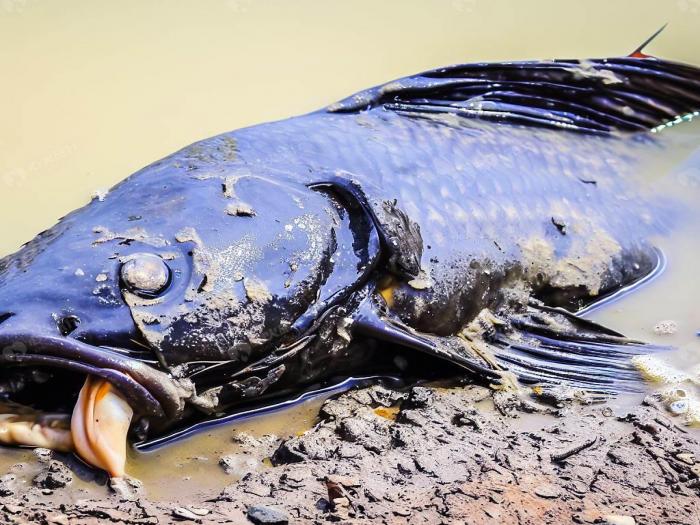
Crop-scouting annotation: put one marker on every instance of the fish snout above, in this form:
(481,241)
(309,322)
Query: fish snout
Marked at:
(42,369)
(42,366)
(30,349)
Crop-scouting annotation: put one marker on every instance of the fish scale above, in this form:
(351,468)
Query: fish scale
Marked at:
(482,183)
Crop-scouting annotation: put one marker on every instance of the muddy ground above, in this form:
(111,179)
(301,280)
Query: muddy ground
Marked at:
(426,455)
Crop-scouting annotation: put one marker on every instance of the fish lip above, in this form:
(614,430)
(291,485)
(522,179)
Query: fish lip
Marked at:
(149,391)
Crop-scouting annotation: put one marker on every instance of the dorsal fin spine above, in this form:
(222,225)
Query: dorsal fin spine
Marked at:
(638,53)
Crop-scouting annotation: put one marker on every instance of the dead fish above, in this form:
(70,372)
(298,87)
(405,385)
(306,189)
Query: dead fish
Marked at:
(461,213)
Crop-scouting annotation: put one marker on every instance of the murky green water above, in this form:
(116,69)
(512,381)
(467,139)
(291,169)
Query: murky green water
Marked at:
(93,90)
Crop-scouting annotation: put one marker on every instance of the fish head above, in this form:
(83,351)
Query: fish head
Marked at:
(176,283)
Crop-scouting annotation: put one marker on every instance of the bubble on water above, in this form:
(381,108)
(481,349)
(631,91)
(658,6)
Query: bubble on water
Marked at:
(667,327)
(678,407)
(654,369)
(682,402)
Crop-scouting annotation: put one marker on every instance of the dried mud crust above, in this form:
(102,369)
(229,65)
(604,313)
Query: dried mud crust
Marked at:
(460,455)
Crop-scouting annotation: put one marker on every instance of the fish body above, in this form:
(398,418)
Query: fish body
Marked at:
(494,205)
(450,213)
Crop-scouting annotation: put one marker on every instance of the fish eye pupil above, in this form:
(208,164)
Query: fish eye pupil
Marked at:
(146,275)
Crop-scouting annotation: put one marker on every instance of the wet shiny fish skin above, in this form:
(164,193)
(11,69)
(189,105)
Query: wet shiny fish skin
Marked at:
(494,203)
(462,193)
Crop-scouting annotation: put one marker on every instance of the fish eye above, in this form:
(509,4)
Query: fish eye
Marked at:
(146,275)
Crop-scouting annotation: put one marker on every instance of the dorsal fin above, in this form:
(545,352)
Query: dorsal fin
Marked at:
(639,52)
(594,96)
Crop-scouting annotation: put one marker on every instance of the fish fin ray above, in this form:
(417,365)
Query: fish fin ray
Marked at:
(550,347)
(599,96)
(541,346)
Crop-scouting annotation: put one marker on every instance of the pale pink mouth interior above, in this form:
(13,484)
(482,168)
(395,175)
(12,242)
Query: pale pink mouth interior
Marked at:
(97,430)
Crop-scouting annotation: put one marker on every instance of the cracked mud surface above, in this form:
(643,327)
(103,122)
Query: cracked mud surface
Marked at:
(426,455)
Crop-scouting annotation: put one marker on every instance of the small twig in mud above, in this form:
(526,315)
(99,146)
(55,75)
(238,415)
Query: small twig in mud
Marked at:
(561,456)
(669,425)
(337,495)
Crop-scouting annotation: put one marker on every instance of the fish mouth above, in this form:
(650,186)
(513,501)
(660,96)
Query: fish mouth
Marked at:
(115,384)
(152,392)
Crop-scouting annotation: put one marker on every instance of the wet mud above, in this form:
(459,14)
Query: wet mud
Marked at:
(463,454)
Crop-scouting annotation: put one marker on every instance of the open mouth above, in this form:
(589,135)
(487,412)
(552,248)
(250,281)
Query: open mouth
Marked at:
(64,394)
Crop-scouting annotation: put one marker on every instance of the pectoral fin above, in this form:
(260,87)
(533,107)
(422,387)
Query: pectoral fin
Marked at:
(371,319)
(551,346)
(542,346)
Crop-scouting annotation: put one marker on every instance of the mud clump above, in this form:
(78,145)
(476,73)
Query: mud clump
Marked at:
(234,464)
(437,455)
(55,476)
(8,485)
(261,515)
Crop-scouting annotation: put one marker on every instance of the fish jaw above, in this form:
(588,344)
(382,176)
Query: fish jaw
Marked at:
(117,390)
(153,392)
(97,430)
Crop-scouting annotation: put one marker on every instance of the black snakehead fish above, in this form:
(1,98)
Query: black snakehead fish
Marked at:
(460,213)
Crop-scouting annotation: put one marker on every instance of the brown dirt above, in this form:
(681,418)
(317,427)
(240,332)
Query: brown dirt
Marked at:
(429,455)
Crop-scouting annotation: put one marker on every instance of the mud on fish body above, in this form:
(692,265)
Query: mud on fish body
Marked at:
(459,214)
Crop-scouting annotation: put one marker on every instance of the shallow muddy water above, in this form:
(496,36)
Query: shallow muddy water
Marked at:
(195,461)
(189,466)
(93,90)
